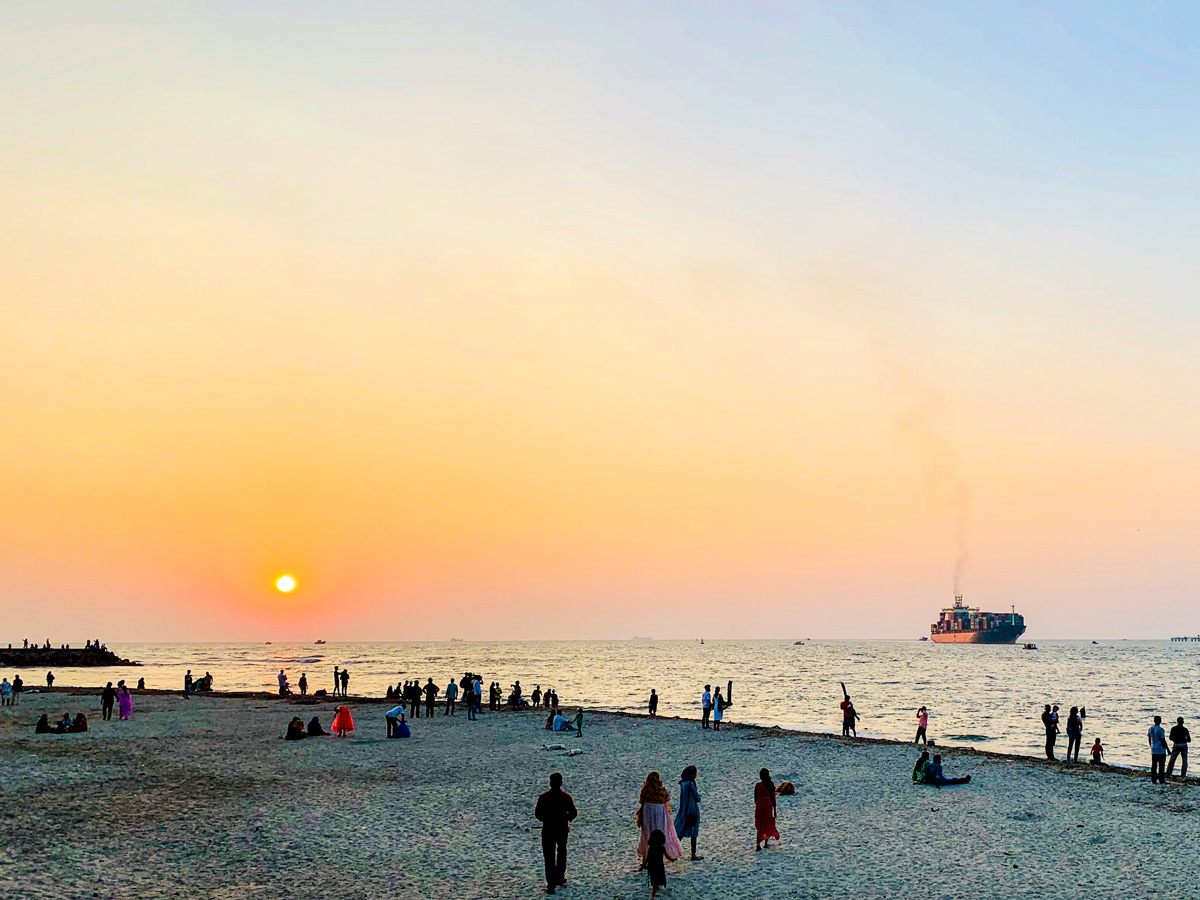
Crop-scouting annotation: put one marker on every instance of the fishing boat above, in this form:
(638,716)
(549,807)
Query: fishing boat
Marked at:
(1029,646)
(962,624)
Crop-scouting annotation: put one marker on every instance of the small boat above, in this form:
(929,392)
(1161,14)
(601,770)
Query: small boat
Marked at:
(1095,642)
(798,644)
(1029,646)
(320,642)
(924,638)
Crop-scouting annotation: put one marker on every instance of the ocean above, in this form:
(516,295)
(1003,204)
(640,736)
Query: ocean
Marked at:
(985,696)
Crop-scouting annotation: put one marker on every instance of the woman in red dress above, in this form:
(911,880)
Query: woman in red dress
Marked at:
(343,724)
(764,810)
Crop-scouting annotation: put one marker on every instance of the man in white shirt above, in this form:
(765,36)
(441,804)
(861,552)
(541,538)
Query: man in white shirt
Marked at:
(706,705)
(477,697)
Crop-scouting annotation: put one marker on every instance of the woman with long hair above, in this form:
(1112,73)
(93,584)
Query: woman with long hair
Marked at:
(687,819)
(654,814)
(124,701)
(764,810)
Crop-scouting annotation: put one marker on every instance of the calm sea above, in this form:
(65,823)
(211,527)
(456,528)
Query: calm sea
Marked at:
(986,696)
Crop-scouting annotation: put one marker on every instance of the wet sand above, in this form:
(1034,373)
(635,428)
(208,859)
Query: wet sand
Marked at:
(201,798)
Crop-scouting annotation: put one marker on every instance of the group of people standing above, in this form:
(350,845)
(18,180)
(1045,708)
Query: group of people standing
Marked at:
(10,692)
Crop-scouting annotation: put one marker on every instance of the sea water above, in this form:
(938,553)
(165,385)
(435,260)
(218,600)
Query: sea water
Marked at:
(985,696)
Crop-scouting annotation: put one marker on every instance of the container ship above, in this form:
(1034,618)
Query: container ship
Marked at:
(961,624)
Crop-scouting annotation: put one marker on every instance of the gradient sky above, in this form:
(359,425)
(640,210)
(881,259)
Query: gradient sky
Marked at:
(549,320)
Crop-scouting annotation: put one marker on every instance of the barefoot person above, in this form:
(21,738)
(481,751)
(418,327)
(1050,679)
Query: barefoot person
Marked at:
(764,810)
(922,724)
(654,814)
(555,810)
(687,819)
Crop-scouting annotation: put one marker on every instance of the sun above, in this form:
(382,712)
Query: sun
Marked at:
(286,584)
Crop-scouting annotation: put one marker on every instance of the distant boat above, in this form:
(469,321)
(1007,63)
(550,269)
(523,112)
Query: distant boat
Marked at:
(1095,642)
(798,644)
(320,642)
(924,638)
(702,640)
(1029,646)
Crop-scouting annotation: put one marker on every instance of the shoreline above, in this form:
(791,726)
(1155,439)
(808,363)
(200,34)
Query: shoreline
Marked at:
(764,730)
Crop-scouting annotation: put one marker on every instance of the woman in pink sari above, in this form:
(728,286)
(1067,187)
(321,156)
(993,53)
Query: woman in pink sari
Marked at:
(124,701)
(654,814)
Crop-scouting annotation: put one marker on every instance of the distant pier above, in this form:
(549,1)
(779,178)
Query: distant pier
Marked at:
(1196,638)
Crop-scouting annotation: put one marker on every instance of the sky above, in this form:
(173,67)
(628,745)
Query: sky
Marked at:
(542,320)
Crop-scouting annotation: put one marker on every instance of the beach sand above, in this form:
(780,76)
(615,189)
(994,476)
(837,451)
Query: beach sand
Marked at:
(201,798)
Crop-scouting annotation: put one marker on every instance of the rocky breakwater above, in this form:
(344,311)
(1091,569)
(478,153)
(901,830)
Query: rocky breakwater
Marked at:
(39,657)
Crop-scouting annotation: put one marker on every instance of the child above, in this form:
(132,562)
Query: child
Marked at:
(1097,753)
(655,861)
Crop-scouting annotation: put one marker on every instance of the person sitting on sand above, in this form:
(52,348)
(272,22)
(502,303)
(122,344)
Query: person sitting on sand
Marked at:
(295,730)
(656,855)
(79,724)
(559,723)
(315,729)
(343,723)
(918,775)
(1097,753)
(654,814)
(43,725)
(935,776)
(764,811)
(63,725)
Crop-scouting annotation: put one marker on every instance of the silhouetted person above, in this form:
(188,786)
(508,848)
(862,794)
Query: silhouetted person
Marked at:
(431,692)
(414,695)
(451,697)
(1180,738)
(652,705)
(303,684)
(1158,752)
(922,724)
(1074,734)
(187,685)
(107,699)
(555,810)
(141,684)
(49,679)
(315,729)
(337,683)
(345,681)
(849,715)
(536,697)
(1051,731)
(705,705)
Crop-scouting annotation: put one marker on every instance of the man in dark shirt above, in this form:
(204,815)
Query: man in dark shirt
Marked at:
(555,810)
(431,692)
(1051,731)
(1180,738)
(109,697)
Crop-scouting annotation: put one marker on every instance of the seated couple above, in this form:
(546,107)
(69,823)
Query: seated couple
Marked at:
(296,732)
(397,725)
(66,725)
(928,771)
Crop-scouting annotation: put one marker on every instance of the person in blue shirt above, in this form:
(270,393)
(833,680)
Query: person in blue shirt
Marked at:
(1158,752)
(935,776)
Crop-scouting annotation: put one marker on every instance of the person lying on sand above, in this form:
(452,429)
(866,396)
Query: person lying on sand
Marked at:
(935,776)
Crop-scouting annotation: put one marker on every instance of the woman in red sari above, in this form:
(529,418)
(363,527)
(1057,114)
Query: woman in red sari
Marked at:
(343,724)
(764,810)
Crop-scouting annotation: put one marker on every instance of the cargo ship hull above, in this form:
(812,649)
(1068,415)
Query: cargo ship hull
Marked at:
(1005,634)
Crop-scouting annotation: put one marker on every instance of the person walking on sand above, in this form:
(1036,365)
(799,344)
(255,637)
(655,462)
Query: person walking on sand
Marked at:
(124,702)
(654,814)
(451,696)
(303,683)
(1158,751)
(336,681)
(656,862)
(687,818)
(764,810)
(1051,731)
(555,810)
(706,705)
(1074,734)
(652,705)
(922,724)
(107,698)
(1180,738)
(345,683)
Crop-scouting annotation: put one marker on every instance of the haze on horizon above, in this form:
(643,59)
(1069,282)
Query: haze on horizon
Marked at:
(540,320)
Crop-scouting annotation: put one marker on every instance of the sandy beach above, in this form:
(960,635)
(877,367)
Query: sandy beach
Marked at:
(201,798)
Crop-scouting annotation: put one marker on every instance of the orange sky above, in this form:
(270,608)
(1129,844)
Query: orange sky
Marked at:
(497,354)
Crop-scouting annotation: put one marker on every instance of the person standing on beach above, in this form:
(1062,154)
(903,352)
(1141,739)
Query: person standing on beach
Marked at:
(652,705)
(187,685)
(1074,734)
(18,687)
(124,702)
(687,818)
(705,706)
(451,696)
(764,810)
(654,814)
(336,681)
(1180,738)
(718,708)
(555,810)
(1158,752)
(1051,731)
(922,724)
(431,692)
(107,699)
(6,693)
(303,683)
(49,679)
(345,682)
(848,718)
(536,697)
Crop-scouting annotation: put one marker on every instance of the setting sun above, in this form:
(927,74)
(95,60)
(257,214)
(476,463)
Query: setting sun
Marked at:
(286,584)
